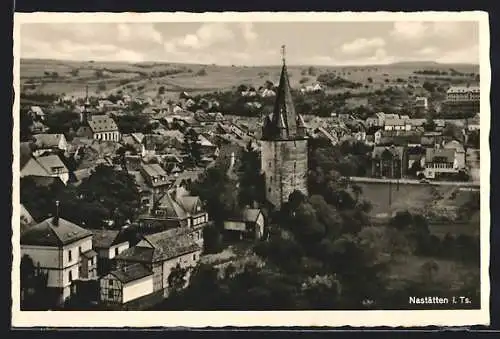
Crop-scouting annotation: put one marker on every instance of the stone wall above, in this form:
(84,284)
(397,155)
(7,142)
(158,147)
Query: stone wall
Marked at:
(284,163)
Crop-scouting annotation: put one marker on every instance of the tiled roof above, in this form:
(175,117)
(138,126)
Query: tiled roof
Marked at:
(138,254)
(131,273)
(25,153)
(462,89)
(247,215)
(102,123)
(394,122)
(170,244)
(436,155)
(37,109)
(50,161)
(189,203)
(48,234)
(171,207)
(106,238)
(154,170)
(47,140)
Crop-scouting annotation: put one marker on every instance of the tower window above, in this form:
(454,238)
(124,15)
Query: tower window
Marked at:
(294,165)
(269,189)
(269,164)
(271,178)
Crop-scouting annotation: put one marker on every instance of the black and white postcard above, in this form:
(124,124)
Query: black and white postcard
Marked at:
(251,169)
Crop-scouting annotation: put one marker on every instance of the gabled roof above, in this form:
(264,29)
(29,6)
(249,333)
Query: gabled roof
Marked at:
(106,238)
(25,153)
(48,234)
(456,145)
(394,122)
(189,203)
(170,244)
(131,273)
(50,161)
(171,207)
(154,170)
(102,123)
(247,215)
(47,140)
(37,109)
(137,254)
(435,155)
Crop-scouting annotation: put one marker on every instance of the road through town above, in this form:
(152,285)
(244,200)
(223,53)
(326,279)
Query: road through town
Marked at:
(474,184)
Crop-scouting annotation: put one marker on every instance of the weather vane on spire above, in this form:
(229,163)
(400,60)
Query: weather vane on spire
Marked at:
(283,53)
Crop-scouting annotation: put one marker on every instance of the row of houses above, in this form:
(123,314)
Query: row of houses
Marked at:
(429,162)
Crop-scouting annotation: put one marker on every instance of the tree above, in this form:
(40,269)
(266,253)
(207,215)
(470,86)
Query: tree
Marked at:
(161,90)
(370,80)
(201,72)
(453,131)
(177,278)
(251,181)
(74,72)
(311,71)
(242,88)
(304,80)
(114,191)
(218,192)
(430,125)
(192,147)
(25,123)
(61,122)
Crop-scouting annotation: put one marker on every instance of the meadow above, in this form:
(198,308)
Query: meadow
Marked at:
(145,79)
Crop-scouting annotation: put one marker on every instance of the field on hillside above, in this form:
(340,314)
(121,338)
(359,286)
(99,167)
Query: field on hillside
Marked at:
(145,79)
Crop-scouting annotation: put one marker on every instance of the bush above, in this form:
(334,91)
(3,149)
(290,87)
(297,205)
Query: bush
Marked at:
(304,80)
(201,72)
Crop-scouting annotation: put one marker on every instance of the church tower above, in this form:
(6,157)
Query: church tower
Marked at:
(284,146)
(84,114)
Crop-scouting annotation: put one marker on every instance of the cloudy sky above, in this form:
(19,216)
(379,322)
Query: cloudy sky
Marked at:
(318,43)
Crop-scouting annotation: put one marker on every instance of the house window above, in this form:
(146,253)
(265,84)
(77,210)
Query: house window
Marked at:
(90,262)
(80,249)
(116,251)
(69,255)
(70,276)
(194,256)
(110,282)
(110,294)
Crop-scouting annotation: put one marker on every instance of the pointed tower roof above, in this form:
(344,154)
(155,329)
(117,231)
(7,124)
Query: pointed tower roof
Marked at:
(284,121)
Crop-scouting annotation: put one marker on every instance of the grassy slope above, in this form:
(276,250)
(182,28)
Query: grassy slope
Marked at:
(217,78)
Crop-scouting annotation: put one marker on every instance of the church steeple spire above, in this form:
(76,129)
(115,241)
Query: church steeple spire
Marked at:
(285,123)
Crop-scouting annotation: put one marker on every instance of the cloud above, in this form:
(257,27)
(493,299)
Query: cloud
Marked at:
(248,32)
(139,32)
(208,34)
(362,46)
(409,30)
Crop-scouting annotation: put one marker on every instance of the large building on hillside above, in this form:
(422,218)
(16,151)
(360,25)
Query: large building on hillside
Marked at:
(284,147)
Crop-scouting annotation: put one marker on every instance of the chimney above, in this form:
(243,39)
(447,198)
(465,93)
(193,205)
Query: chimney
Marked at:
(55,219)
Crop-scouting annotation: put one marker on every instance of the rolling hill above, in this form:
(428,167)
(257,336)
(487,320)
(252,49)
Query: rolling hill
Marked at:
(138,79)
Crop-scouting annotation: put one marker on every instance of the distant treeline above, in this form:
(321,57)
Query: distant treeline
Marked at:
(452,72)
